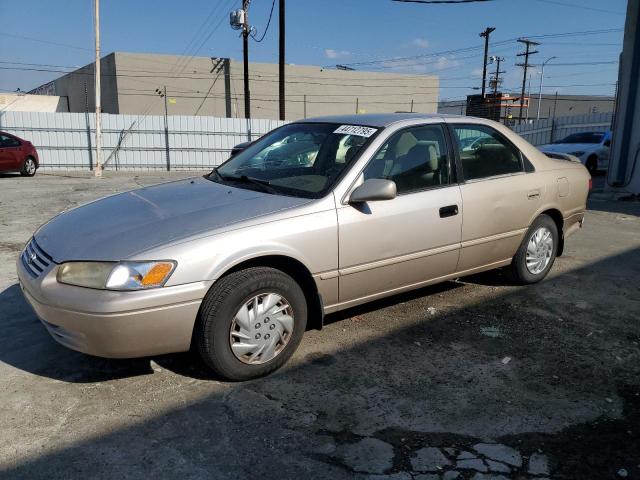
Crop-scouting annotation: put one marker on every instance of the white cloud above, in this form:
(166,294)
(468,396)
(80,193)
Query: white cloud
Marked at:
(330,53)
(403,65)
(420,43)
(476,72)
(446,62)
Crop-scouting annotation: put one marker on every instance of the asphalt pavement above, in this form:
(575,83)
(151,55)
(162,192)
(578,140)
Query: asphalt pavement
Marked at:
(475,378)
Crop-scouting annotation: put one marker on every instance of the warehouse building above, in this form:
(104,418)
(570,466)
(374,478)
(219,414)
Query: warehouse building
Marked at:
(134,83)
(550,106)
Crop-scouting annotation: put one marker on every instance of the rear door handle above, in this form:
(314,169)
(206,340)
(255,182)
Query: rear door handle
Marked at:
(531,194)
(448,211)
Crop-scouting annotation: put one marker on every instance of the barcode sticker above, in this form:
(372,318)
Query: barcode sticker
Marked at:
(356,130)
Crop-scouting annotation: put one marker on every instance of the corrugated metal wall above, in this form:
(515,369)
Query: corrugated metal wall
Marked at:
(134,142)
(137,142)
(548,130)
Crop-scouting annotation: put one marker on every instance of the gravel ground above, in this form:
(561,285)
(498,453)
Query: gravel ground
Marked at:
(474,379)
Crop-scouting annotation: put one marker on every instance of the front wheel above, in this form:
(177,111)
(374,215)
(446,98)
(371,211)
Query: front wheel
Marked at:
(537,252)
(592,164)
(28,167)
(250,323)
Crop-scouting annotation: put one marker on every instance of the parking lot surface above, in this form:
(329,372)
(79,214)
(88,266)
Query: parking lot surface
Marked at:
(469,379)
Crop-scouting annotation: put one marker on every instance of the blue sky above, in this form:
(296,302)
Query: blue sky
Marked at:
(327,32)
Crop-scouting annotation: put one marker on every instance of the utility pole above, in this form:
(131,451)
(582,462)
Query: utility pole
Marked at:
(163,93)
(245,55)
(541,82)
(553,121)
(525,65)
(86,118)
(98,172)
(239,20)
(529,97)
(282,59)
(496,75)
(494,83)
(485,34)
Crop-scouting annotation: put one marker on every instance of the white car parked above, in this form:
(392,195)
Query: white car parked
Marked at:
(592,148)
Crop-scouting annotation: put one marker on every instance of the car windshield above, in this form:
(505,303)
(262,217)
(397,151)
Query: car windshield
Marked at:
(299,159)
(584,137)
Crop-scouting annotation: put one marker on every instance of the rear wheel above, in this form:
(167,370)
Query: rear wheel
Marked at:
(592,164)
(537,252)
(28,167)
(250,323)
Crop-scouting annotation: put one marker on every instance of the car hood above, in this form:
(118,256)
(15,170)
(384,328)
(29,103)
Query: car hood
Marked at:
(126,224)
(569,147)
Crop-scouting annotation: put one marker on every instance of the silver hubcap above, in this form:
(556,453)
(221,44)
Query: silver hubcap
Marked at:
(261,328)
(539,250)
(30,166)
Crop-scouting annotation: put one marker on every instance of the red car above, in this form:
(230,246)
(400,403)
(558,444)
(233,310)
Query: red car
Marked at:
(17,155)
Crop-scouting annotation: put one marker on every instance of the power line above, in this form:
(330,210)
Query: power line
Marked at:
(578,34)
(583,7)
(435,2)
(266,29)
(398,93)
(583,44)
(209,78)
(48,42)
(479,47)
(573,64)
(275,98)
(256,77)
(263,74)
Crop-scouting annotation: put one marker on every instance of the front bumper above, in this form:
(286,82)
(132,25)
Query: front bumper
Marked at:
(114,324)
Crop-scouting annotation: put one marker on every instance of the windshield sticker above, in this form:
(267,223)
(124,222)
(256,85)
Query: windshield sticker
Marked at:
(356,130)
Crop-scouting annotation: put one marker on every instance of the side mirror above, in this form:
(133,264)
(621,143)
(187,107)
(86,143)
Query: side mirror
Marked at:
(238,148)
(374,189)
(607,143)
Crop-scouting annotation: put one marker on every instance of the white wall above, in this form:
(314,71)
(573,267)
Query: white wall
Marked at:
(132,142)
(13,102)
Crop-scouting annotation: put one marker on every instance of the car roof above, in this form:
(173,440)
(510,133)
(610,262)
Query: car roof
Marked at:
(377,119)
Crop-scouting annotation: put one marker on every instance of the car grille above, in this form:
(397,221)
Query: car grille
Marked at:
(34,259)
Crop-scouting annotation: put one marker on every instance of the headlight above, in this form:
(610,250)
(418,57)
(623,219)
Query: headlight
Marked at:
(576,154)
(116,275)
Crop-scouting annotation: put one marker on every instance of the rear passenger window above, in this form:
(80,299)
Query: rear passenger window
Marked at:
(415,159)
(484,152)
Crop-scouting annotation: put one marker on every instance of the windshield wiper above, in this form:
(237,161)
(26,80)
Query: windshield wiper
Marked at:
(217,174)
(264,185)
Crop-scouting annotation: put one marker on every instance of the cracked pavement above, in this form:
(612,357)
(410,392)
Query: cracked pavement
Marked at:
(474,379)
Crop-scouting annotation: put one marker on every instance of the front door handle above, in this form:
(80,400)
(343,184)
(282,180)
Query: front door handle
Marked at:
(448,211)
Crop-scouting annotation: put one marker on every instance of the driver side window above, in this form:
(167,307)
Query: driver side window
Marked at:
(415,159)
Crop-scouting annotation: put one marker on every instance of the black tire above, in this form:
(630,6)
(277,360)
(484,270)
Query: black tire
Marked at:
(222,302)
(29,167)
(518,270)
(592,164)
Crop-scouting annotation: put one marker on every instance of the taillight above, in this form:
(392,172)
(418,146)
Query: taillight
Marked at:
(590,183)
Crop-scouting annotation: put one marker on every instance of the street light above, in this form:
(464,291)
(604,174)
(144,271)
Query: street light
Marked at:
(541,80)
